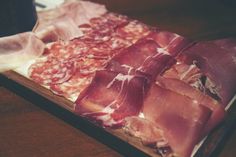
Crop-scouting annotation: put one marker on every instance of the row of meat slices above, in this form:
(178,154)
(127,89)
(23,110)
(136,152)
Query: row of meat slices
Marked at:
(161,107)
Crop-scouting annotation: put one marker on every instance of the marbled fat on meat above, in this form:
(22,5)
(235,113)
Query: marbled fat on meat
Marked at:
(178,86)
(111,97)
(178,116)
(143,56)
(216,59)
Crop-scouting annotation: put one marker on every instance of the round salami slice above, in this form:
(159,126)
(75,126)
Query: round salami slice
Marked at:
(117,42)
(101,50)
(72,88)
(116,19)
(133,31)
(51,71)
(89,65)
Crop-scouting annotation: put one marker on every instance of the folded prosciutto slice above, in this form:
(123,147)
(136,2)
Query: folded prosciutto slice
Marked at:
(178,86)
(111,97)
(216,59)
(181,118)
(170,42)
(144,56)
(18,49)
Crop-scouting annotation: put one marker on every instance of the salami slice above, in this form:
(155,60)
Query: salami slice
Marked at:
(87,66)
(72,88)
(117,42)
(133,31)
(51,71)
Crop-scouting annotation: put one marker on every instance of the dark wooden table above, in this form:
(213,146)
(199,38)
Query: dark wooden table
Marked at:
(27,130)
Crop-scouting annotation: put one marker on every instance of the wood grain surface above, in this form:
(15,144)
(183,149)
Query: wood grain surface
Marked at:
(30,125)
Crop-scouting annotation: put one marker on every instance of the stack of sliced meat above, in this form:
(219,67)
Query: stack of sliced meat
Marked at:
(123,73)
(67,67)
(119,90)
(185,103)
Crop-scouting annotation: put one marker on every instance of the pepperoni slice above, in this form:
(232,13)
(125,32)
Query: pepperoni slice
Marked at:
(51,71)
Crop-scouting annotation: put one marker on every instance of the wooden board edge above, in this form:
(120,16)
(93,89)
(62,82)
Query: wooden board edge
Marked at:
(69,105)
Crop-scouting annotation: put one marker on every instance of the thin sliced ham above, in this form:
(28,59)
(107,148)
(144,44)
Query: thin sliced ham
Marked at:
(216,59)
(18,49)
(62,22)
(111,97)
(171,42)
(178,86)
(181,118)
(144,56)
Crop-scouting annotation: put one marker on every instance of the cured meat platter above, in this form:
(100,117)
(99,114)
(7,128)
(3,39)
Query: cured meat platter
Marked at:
(145,87)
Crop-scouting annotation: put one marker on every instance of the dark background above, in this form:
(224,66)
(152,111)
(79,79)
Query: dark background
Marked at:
(199,19)
(16,16)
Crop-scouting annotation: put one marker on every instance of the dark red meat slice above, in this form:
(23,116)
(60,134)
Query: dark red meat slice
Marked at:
(181,118)
(144,56)
(111,97)
(216,59)
(218,112)
(171,42)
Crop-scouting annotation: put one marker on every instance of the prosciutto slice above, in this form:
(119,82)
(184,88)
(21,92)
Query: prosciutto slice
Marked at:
(189,74)
(181,118)
(144,56)
(216,59)
(171,42)
(178,86)
(18,49)
(111,97)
